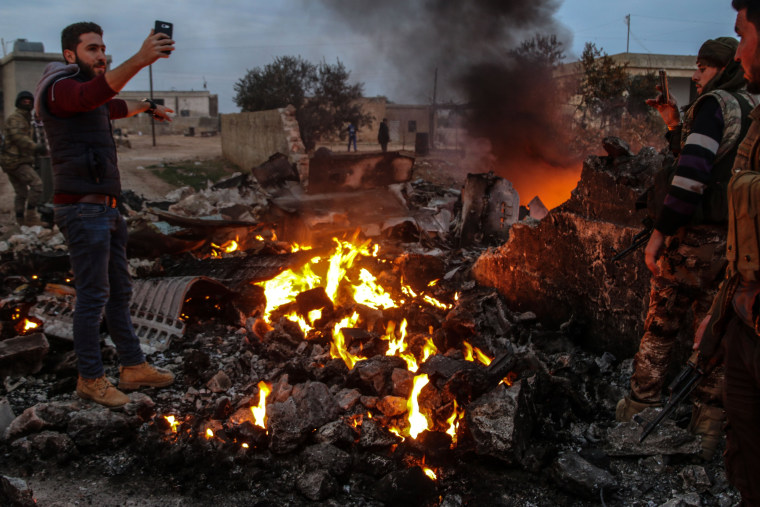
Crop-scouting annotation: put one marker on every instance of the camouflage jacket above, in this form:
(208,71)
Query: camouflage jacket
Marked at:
(19,144)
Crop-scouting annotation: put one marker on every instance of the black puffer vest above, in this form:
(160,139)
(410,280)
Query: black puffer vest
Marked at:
(83,152)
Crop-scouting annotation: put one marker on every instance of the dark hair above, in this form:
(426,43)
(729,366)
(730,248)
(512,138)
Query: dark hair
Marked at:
(753,10)
(70,35)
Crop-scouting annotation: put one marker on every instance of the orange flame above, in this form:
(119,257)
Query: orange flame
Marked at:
(209,433)
(173,422)
(417,420)
(471,353)
(260,411)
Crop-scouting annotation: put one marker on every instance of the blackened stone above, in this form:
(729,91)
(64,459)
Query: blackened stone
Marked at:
(326,457)
(219,383)
(194,364)
(53,445)
(99,428)
(374,464)
(616,147)
(15,491)
(249,433)
(23,355)
(337,433)
(374,436)
(42,416)
(347,398)
(576,475)
(501,421)
(419,270)
(375,375)
(314,299)
(405,487)
(309,406)
(435,445)
(222,408)
(316,485)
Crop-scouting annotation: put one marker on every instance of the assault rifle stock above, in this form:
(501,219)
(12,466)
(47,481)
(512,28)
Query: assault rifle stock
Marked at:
(641,238)
(680,388)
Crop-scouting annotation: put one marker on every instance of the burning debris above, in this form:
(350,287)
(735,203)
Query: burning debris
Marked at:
(355,368)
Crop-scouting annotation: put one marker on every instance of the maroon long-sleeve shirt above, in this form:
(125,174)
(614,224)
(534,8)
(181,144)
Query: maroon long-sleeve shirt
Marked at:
(67,97)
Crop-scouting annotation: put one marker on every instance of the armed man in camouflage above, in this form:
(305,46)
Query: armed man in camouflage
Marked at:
(17,160)
(686,250)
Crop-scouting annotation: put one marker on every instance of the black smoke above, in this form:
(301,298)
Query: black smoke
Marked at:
(510,100)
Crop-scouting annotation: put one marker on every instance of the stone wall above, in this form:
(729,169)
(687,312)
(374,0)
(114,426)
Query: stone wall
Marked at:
(560,268)
(249,139)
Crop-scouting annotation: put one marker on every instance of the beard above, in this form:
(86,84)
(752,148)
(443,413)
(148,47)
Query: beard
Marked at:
(753,85)
(87,70)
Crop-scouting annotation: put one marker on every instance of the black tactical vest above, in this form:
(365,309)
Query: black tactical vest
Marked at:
(82,151)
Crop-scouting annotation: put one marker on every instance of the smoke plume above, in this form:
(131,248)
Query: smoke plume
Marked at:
(510,100)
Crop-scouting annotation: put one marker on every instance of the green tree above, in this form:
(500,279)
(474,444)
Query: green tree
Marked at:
(544,50)
(323,98)
(603,87)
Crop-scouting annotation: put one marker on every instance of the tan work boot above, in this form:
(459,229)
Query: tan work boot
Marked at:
(707,422)
(32,218)
(100,390)
(628,407)
(143,375)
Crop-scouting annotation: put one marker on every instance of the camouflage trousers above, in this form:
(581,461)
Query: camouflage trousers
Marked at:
(27,185)
(691,268)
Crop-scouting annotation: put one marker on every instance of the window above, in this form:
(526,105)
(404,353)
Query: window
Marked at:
(412,125)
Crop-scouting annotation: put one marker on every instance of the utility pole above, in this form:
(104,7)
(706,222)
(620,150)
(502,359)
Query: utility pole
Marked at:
(434,110)
(152,121)
(628,38)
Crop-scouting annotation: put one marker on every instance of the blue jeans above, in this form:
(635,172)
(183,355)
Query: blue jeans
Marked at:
(97,240)
(351,139)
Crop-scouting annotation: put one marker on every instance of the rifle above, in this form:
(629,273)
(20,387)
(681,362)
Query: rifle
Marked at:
(641,238)
(680,388)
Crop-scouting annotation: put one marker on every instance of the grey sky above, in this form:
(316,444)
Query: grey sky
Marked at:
(219,40)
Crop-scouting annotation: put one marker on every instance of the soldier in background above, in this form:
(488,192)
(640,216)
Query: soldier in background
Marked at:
(17,160)
(686,250)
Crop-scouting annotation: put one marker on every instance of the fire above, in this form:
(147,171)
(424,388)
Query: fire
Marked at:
(173,422)
(260,411)
(551,184)
(430,473)
(509,379)
(338,347)
(209,433)
(28,325)
(453,422)
(417,420)
(226,247)
(471,353)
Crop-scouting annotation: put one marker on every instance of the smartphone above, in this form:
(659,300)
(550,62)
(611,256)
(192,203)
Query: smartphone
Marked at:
(664,97)
(164,27)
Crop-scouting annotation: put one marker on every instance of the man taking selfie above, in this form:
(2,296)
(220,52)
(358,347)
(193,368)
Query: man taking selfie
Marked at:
(76,102)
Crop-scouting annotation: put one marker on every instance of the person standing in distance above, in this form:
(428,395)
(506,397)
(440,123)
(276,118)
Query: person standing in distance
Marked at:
(17,160)
(76,103)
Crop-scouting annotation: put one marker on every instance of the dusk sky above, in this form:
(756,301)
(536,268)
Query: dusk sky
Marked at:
(218,41)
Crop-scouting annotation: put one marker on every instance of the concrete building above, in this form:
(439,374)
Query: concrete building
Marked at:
(679,69)
(20,70)
(196,111)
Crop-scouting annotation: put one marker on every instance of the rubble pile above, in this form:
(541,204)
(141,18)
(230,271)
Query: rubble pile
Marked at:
(443,393)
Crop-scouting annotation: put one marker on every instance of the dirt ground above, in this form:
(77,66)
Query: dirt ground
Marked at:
(133,164)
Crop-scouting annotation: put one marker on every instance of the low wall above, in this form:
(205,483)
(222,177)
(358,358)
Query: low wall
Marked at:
(249,139)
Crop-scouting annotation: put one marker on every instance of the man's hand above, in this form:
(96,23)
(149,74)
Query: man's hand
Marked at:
(668,110)
(162,113)
(151,50)
(653,250)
